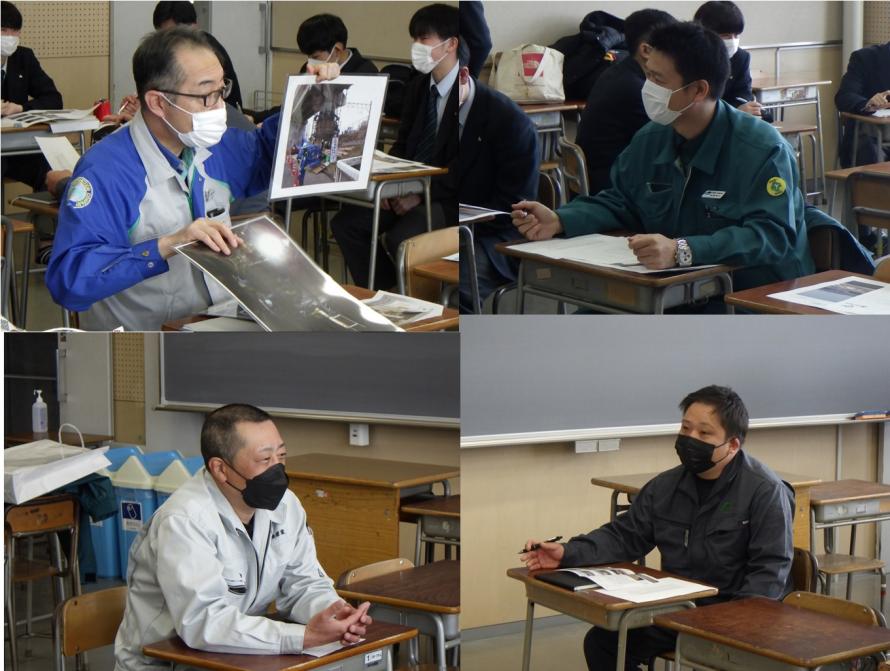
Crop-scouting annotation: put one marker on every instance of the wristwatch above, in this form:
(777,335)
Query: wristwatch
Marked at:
(683,257)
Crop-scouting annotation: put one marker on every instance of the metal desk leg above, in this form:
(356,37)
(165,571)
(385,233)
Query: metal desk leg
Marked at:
(375,232)
(8,272)
(429,204)
(441,649)
(821,155)
(466,235)
(287,213)
(417,543)
(26,277)
(527,642)
(520,290)
(855,140)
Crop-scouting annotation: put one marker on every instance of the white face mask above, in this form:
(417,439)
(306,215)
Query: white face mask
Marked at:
(207,127)
(315,62)
(732,46)
(8,45)
(422,57)
(655,102)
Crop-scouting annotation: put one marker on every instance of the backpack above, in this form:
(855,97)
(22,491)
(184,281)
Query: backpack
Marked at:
(590,52)
(399,78)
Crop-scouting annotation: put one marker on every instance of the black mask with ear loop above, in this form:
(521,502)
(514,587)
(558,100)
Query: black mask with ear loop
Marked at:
(696,455)
(265,490)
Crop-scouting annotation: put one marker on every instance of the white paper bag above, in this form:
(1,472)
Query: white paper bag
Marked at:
(34,469)
(530,73)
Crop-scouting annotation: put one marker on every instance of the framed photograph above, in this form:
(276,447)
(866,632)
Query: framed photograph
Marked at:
(327,135)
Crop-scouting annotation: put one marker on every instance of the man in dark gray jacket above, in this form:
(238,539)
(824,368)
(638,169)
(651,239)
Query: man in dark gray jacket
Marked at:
(721,517)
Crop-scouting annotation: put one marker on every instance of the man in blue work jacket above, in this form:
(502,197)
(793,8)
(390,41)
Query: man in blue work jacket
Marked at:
(703,183)
(165,179)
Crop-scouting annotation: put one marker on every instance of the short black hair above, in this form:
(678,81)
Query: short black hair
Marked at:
(155,66)
(463,53)
(721,16)
(181,11)
(726,404)
(219,434)
(640,25)
(436,19)
(11,16)
(697,53)
(320,33)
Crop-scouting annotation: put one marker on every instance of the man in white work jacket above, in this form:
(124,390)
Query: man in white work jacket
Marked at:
(226,544)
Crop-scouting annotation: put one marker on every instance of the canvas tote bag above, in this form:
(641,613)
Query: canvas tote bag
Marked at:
(530,73)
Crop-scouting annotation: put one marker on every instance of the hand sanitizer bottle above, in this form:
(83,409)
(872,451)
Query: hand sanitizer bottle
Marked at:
(38,414)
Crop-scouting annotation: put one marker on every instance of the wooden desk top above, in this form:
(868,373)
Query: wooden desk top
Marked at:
(68,438)
(567,106)
(795,128)
(367,472)
(29,129)
(433,588)
(656,280)
(757,299)
(449,319)
(441,506)
(787,82)
(379,635)
(847,490)
(868,118)
(406,176)
(842,174)
(36,207)
(442,270)
(595,599)
(633,483)
(779,631)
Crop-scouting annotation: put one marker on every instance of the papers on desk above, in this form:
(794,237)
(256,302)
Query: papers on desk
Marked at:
(33,469)
(327,649)
(452,257)
(620,583)
(662,588)
(467,214)
(607,251)
(59,152)
(846,296)
(25,119)
(882,113)
(278,285)
(403,310)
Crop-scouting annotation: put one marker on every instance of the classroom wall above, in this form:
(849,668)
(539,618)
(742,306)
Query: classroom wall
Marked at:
(514,493)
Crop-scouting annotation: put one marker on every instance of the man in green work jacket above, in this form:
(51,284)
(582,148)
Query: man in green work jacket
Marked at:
(704,183)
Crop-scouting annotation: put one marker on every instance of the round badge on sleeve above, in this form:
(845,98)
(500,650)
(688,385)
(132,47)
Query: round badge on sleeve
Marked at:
(775,186)
(80,192)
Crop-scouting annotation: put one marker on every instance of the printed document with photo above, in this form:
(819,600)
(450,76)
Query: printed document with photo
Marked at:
(846,296)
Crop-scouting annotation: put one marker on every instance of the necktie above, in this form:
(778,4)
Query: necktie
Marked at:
(426,149)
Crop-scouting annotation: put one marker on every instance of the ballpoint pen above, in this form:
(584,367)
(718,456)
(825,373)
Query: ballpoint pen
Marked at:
(538,545)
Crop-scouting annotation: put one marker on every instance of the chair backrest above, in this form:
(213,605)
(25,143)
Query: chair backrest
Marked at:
(824,248)
(870,198)
(89,621)
(374,570)
(882,269)
(424,248)
(574,168)
(547,191)
(847,610)
(804,573)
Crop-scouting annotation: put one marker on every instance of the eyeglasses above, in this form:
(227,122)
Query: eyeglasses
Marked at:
(209,99)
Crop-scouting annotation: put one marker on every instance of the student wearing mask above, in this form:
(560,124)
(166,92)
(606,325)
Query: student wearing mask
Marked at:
(194,570)
(721,517)
(428,134)
(703,183)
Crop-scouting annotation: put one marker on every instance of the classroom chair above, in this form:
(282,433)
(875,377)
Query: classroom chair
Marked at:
(870,198)
(882,269)
(804,571)
(842,608)
(15,301)
(424,249)
(573,166)
(87,622)
(833,247)
(832,564)
(43,517)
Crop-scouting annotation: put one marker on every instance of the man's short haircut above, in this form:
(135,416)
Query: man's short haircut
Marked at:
(726,404)
(320,33)
(640,25)
(181,11)
(219,435)
(155,63)
(697,53)
(436,19)
(721,16)
(11,16)
(463,53)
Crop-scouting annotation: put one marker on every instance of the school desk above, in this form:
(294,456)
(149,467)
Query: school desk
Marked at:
(873,125)
(446,272)
(426,597)
(757,299)
(372,654)
(630,485)
(438,521)
(840,194)
(15,300)
(794,133)
(598,609)
(352,503)
(68,438)
(448,320)
(615,291)
(767,635)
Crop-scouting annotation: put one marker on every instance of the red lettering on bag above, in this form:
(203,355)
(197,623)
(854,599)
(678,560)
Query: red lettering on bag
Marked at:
(531,63)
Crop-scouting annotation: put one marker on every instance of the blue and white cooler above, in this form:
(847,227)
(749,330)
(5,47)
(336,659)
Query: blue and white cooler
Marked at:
(104,533)
(175,475)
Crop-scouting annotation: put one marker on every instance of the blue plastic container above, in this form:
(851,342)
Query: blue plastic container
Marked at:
(104,534)
(175,475)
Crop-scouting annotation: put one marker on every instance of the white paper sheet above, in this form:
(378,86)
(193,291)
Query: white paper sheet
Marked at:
(452,257)
(664,588)
(882,113)
(846,296)
(611,578)
(467,214)
(402,310)
(322,650)
(59,152)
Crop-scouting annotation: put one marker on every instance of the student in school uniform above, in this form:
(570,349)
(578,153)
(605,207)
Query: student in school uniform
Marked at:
(195,572)
(721,517)
(614,110)
(703,183)
(428,134)
(865,89)
(726,19)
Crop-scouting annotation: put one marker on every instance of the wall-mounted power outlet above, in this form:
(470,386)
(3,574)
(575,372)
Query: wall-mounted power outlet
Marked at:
(359,435)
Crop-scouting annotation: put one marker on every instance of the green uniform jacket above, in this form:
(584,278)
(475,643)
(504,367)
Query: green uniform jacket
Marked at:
(757,224)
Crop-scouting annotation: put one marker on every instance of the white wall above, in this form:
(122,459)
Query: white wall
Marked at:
(130,22)
(239,28)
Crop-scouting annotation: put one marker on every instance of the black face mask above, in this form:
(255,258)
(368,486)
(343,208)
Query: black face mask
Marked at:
(265,490)
(696,455)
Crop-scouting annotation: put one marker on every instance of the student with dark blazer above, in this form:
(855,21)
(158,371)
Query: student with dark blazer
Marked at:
(614,110)
(25,87)
(864,89)
(498,166)
(428,134)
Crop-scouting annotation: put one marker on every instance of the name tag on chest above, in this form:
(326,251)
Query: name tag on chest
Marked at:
(713,195)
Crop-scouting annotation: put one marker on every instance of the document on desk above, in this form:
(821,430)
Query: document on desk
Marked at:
(468,214)
(327,649)
(59,152)
(662,588)
(278,285)
(882,113)
(31,117)
(846,296)
(608,251)
(403,310)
